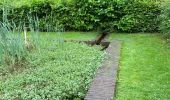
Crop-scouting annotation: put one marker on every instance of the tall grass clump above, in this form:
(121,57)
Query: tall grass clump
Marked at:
(15,40)
(12,49)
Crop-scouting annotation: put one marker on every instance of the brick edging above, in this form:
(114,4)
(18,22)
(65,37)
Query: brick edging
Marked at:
(104,84)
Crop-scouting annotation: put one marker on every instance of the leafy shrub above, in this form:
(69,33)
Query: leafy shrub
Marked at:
(87,15)
(165,18)
(140,16)
(58,72)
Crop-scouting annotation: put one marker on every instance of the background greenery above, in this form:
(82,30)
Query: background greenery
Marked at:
(165,17)
(87,15)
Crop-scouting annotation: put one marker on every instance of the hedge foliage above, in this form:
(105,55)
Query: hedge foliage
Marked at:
(165,18)
(88,15)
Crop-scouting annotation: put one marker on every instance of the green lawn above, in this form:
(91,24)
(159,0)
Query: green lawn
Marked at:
(72,35)
(144,72)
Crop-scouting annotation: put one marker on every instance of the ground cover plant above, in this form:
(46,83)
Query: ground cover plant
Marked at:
(57,71)
(144,67)
(43,66)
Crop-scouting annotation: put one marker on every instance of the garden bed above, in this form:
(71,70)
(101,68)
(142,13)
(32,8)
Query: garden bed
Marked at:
(57,71)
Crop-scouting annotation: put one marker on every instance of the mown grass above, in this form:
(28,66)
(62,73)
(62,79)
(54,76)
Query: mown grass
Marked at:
(144,72)
(72,35)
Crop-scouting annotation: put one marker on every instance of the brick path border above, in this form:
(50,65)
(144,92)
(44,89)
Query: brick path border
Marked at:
(104,84)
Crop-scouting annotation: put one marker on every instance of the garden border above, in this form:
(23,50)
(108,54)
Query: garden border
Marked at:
(103,85)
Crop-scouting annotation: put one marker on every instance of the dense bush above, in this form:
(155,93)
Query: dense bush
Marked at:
(139,16)
(87,15)
(165,16)
(58,72)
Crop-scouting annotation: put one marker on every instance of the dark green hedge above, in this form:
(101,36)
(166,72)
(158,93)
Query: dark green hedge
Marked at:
(88,15)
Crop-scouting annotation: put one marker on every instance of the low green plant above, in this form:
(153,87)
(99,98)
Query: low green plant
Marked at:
(58,72)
